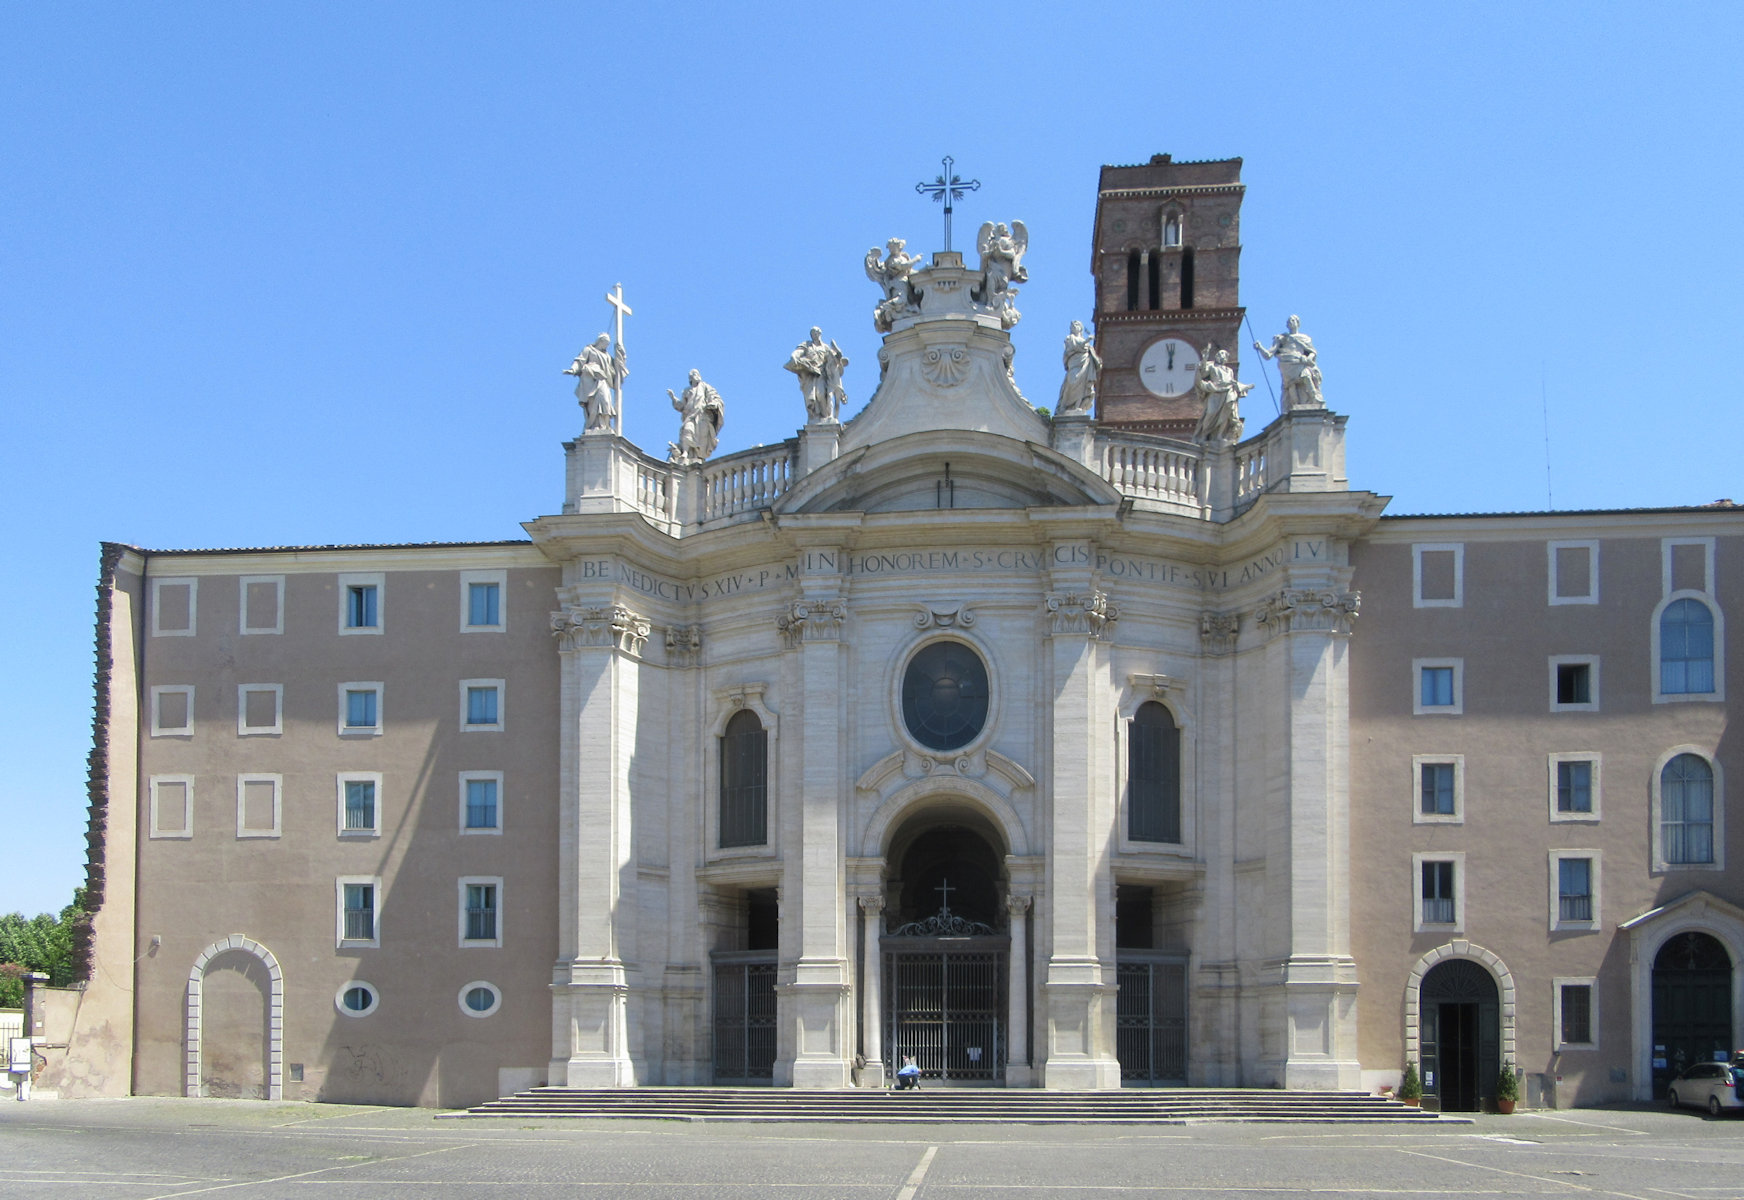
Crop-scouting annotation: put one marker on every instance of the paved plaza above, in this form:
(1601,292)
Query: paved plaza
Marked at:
(145,1148)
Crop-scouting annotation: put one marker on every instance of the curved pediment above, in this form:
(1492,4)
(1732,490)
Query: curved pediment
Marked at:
(948,469)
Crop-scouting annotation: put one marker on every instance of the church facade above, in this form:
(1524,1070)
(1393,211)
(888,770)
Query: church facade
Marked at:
(1095,748)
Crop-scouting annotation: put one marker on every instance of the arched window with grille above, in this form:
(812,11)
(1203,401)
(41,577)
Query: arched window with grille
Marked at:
(1686,648)
(1686,811)
(744,781)
(1153,775)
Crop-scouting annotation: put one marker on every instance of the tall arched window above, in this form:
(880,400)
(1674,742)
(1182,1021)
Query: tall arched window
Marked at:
(1153,776)
(1187,277)
(1134,263)
(744,781)
(1686,648)
(1686,810)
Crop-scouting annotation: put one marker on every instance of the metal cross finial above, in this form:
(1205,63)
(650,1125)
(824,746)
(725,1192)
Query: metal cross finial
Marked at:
(948,187)
(945,889)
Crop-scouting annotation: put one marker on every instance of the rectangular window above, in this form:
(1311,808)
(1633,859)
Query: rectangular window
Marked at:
(481,601)
(483,604)
(172,806)
(360,709)
(1574,572)
(1438,575)
(1437,691)
(481,704)
(1574,683)
(360,803)
(172,711)
(1574,786)
(360,602)
(1576,1014)
(258,709)
(1688,564)
(1440,686)
(481,911)
(480,808)
(262,603)
(1437,789)
(1574,889)
(257,806)
(173,607)
(358,921)
(1438,894)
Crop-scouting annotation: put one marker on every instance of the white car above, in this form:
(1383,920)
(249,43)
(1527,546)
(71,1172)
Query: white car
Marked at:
(1710,1085)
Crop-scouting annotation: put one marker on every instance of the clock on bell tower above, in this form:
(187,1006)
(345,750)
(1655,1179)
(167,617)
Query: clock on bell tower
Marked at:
(1166,258)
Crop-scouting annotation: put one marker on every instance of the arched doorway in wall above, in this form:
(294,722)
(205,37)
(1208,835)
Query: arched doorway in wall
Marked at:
(1692,1005)
(235,1031)
(946,950)
(1460,1035)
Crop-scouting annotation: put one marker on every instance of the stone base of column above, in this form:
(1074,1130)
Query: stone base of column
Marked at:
(1080,1027)
(1320,1003)
(872,1074)
(815,1006)
(1019,1075)
(1071,436)
(589,1014)
(818,443)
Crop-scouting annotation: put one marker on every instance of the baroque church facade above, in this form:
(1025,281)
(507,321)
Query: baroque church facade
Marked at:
(1111,746)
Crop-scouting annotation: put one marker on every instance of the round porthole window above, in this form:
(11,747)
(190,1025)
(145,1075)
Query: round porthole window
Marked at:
(480,999)
(356,999)
(944,695)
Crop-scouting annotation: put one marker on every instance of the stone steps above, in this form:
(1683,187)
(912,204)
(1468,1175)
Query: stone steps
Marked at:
(955,1106)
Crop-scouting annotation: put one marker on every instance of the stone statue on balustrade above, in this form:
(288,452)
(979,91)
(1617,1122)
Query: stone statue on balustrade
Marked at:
(1220,422)
(820,367)
(702,414)
(1002,249)
(600,371)
(1298,366)
(891,273)
(1083,368)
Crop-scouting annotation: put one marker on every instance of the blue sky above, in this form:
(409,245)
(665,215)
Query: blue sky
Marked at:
(277,274)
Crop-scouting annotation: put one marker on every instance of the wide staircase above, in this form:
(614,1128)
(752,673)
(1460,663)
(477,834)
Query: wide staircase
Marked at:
(946,1106)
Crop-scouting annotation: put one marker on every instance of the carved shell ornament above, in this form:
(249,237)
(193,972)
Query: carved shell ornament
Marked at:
(945,366)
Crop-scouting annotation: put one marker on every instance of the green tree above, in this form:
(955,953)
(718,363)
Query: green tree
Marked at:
(40,943)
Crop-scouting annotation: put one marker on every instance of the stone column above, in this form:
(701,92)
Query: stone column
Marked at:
(601,647)
(872,999)
(1017,1068)
(1080,1050)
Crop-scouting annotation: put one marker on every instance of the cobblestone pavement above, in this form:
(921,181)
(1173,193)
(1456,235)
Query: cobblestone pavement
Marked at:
(146,1148)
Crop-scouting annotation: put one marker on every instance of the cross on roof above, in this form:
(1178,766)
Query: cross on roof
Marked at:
(948,187)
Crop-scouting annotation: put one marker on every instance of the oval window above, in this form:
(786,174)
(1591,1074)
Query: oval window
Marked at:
(480,999)
(356,999)
(944,696)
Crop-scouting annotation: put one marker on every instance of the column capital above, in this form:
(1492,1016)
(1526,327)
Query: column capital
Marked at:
(812,619)
(1089,614)
(1017,905)
(871,905)
(608,626)
(1309,610)
(683,645)
(1219,630)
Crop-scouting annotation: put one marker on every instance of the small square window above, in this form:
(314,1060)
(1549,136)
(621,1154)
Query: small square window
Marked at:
(1438,575)
(1574,887)
(359,918)
(1688,564)
(1440,686)
(361,602)
(1574,572)
(359,797)
(172,711)
(360,709)
(481,704)
(257,805)
(173,607)
(481,601)
(262,603)
(481,801)
(481,911)
(1574,683)
(172,806)
(1577,1016)
(259,708)
(1438,783)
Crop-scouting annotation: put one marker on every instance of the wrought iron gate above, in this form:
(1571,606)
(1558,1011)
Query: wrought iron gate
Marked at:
(744,1019)
(944,1003)
(1151,1021)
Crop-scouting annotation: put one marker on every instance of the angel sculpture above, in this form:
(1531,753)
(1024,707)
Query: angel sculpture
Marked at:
(1002,249)
(892,275)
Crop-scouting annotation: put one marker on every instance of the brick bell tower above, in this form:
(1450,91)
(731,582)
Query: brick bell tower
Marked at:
(1167,258)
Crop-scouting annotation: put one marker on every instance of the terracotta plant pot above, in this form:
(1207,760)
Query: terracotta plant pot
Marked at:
(1505,1107)
(1411,1101)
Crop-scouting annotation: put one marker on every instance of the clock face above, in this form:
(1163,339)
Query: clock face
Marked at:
(1167,367)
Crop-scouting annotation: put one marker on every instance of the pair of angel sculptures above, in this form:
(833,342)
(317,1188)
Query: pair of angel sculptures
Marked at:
(1002,249)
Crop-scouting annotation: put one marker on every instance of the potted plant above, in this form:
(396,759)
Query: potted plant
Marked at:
(1507,1088)
(1411,1087)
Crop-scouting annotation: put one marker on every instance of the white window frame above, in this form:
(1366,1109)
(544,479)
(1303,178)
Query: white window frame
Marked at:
(344,706)
(501,579)
(351,579)
(1596,873)
(1555,759)
(1655,811)
(193,585)
(1718,695)
(496,1006)
(1592,549)
(1418,762)
(345,777)
(339,996)
(1591,662)
(159,827)
(1665,556)
(166,689)
(340,940)
(502,695)
(278,805)
(491,880)
(1417,552)
(725,702)
(278,625)
(243,728)
(1589,982)
(1418,708)
(1457,858)
(495,777)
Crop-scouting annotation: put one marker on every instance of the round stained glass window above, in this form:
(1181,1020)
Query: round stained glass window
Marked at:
(944,696)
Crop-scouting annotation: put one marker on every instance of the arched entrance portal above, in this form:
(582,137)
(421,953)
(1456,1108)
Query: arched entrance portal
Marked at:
(946,953)
(1692,1005)
(1461,1035)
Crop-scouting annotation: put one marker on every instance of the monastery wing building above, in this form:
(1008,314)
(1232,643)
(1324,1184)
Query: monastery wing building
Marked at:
(1118,745)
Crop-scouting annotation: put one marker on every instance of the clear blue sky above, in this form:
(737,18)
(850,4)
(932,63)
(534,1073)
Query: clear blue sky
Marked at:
(276,273)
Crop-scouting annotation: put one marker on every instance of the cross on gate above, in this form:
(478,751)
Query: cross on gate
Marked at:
(615,298)
(948,187)
(944,890)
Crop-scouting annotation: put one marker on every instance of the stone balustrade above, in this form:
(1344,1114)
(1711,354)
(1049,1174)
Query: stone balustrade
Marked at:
(747,481)
(1150,468)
